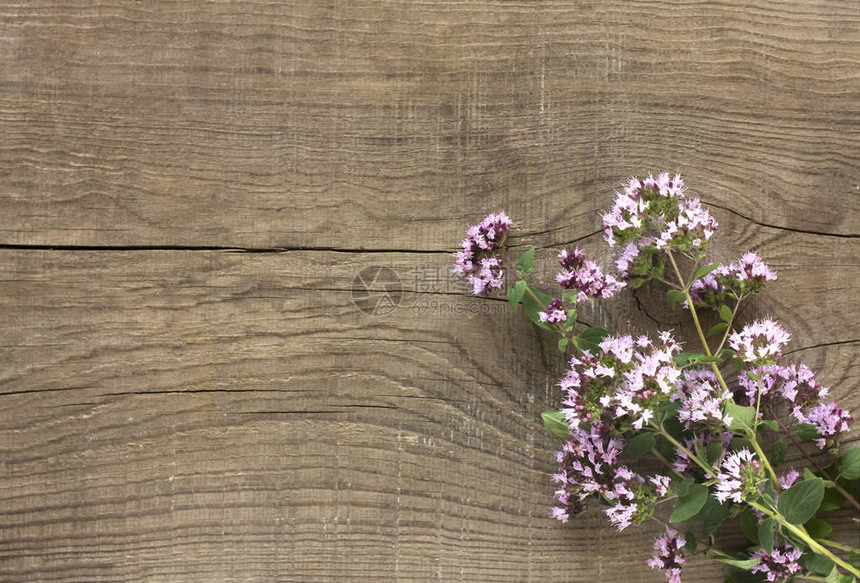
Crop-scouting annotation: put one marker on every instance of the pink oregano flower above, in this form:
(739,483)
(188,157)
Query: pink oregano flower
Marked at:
(669,555)
(479,260)
(585,277)
(624,387)
(741,475)
(759,342)
(779,564)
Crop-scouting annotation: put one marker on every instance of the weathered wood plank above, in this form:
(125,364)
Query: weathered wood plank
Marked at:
(381,125)
(222,416)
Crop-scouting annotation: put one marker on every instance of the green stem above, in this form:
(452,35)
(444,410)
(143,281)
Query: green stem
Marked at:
(764,459)
(708,470)
(800,533)
(669,283)
(729,327)
(695,316)
(757,401)
(754,441)
(721,380)
(518,277)
(660,457)
(690,304)
(839,546)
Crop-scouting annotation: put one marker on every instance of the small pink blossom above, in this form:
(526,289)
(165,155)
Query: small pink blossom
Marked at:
(759,342)
(788,479)
(477,261)
(778,565)
(741,475)
(668,555)
(748,275)
(829,420)
(586,277)
(554,313)
(701,399)
(488,277)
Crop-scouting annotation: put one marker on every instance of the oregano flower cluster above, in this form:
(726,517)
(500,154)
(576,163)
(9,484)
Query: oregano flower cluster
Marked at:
(480,260)
(719,435)
(736,280)
(627,378)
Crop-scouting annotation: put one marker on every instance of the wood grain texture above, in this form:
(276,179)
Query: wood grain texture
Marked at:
(175,408)
(192,415)
(324,124)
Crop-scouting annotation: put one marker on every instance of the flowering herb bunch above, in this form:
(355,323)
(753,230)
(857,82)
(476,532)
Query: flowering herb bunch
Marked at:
(625,397)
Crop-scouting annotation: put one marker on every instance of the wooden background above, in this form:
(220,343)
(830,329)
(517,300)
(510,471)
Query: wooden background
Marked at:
(189,188)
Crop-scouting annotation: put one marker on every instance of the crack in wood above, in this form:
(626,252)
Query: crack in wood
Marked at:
(781,228)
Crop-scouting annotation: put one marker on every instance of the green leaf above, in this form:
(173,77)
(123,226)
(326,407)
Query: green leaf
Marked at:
(685,358)
(735,575)
(682,488)
(768,494)
(703,271)
(712,514)
(749,524)
(818,528)
(769,424)
(533,309)
(725,313)
(666,448)
(834,576)
(562,344)
(673,427)
(526,262)
(687,506)
(745,564)
(849,464)
(715,450)
(591,338)
(570,297)
(743,418)
(665,411)
(765,534)
(778,451)
(854,559)
(800,502)
(699,450)
(690,541)
(516,292)
(639,445)
(818,564)
(556,423)
(806,431)
(705,359)
(676,297)
(850,486)
(717,329)
(833,499)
